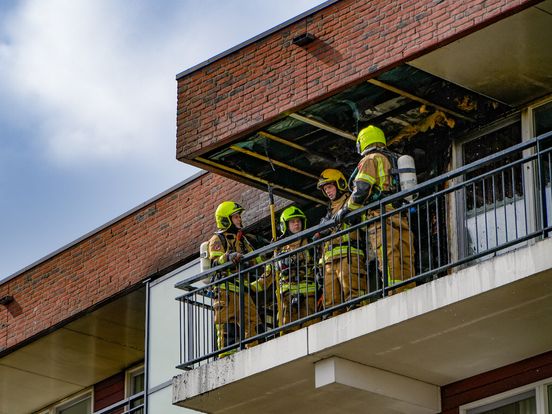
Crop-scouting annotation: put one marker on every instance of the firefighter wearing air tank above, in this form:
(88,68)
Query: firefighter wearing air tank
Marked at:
(229,244)
(342,256)
(295,272)
(377,177)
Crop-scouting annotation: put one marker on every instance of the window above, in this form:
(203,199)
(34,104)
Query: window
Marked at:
(77,404)
(135,385)
(542,122)
(498,187)
(542,118)
(492,206)
(519,404)
(530,399)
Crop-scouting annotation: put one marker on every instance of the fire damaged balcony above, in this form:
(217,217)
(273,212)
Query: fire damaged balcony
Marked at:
(383,347)
(405,102)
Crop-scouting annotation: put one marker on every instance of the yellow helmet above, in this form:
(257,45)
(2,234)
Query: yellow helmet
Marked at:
(369,136)
(331,175)
(289,213)
(223,213)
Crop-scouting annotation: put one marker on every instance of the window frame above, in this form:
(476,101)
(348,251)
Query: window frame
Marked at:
(458,242)
(69,401)
(539,388)
(130,374)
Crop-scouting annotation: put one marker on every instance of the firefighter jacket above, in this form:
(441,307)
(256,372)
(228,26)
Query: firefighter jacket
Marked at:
(221,245)
(295,272)
(373,180)
(347,243)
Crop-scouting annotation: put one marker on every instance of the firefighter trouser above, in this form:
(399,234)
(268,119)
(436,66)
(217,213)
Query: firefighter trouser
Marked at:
(296,306)
(227,317)
(344,279)
(400,249)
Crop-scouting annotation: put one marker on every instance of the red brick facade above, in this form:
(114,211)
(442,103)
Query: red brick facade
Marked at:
(355,40)
(155,237)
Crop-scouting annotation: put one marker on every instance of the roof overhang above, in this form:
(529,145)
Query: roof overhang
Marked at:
(75,356)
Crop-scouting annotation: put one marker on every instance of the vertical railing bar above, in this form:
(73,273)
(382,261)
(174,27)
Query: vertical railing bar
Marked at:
(493,183)
(542,185)
(420,261)
(524,198)
(485,214)
(547,204)
(438,230)
(400,242)
(385,265)
(428,235)
(504,197)
(475,216)
(183,334)
(412,254)
(515,201)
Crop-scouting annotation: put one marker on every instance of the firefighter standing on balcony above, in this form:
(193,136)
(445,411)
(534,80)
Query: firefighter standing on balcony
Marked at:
(375,181)
(295,272)
(343,256)
(229,244)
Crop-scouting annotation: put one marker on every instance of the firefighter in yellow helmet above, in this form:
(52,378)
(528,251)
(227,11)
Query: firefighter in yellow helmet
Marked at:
(295,271)
(374,181)
(229,244)
(342,256)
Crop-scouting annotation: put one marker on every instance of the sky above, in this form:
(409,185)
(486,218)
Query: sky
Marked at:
(88,107)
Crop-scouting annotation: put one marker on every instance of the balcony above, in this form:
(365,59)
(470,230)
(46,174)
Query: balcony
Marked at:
(478,242)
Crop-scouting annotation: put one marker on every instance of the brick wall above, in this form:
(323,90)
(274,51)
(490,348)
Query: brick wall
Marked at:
(109,391)
(155,237)
(355,39)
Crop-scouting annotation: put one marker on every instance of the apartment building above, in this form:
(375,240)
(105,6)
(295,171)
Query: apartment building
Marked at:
(104,324)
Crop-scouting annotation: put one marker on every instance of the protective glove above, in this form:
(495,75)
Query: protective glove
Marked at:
(234,257)
(340,215)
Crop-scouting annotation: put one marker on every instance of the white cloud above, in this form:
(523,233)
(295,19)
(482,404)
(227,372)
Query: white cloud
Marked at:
(99,74)
(88,106)
(75,64)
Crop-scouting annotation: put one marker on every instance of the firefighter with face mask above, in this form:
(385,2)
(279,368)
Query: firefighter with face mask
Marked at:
(373,182)
(342,256)
(229,244)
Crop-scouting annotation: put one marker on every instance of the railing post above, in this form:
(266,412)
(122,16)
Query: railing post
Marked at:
(384,263)
(541,176)
(241,306)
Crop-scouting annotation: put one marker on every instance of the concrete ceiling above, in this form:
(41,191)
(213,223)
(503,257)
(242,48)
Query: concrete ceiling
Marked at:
(74,357)
(510,61)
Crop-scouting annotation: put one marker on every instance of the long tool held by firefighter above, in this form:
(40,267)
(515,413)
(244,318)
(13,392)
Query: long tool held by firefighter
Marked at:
(276,272)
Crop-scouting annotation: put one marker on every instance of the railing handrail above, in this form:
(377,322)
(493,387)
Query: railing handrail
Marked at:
(122,403)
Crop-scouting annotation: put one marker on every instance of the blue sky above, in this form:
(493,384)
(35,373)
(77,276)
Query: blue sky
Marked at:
(88,107)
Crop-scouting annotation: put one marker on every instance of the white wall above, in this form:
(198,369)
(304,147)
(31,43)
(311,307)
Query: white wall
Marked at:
(163,339)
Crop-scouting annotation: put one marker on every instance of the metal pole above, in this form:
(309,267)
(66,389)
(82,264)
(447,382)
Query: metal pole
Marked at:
(276,273)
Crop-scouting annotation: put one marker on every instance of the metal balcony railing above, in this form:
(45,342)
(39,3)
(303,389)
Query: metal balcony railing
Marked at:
(131,405)
(467,215)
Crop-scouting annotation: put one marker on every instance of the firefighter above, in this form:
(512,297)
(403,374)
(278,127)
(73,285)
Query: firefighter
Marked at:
(229,244)
(295,272)
(342,256)
(374,181)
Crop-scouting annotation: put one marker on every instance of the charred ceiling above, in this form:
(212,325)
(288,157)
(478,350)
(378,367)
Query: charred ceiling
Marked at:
(419,112)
